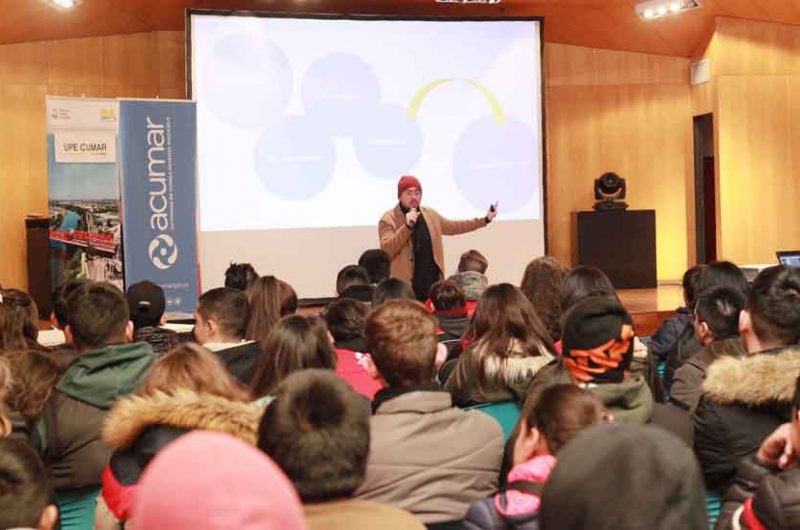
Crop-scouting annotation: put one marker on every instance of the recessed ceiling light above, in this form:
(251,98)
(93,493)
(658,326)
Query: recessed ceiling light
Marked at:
(65,4)
(655,9)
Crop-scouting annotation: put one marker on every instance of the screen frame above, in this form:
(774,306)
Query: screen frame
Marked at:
(189,71)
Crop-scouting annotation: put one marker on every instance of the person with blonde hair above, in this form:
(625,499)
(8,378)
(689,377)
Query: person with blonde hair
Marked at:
(187,389)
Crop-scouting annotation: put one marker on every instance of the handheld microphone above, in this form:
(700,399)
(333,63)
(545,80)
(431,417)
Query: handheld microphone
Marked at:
(413,223)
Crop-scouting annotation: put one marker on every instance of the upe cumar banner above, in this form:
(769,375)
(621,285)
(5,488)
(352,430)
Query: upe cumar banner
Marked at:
(157,152)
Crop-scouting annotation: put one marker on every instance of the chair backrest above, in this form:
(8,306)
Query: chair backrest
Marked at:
(506,413)
(76,508)
(713,507)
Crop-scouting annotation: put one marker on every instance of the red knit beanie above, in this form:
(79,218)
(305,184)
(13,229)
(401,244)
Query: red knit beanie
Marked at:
(405,182)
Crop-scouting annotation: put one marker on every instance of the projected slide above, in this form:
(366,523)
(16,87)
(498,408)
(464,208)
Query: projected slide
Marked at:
(309,123)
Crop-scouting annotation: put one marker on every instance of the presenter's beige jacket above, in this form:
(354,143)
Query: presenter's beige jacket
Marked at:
(395,238)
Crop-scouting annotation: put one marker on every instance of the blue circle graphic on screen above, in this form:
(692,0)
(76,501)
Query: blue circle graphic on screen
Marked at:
(496,162)
(340,90)
(389,142)
(249,89)
(296,160)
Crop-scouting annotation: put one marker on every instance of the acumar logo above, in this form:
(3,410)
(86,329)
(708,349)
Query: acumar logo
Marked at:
(163,250)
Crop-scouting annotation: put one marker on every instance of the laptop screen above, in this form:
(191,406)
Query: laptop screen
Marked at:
(790,258)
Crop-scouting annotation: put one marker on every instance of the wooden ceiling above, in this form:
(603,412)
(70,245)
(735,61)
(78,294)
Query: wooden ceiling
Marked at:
(610,24)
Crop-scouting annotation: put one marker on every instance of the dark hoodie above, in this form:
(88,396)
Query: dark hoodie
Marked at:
(452,328)
(68,432)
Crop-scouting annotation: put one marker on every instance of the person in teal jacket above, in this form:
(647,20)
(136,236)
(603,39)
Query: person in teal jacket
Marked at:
(67,434)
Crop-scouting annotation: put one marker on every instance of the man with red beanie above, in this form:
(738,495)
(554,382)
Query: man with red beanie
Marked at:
(412,236)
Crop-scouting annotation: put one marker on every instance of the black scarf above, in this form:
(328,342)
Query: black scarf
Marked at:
(426,271)
(385,394)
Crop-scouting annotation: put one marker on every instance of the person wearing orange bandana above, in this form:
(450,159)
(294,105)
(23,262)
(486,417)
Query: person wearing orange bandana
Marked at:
(598,349)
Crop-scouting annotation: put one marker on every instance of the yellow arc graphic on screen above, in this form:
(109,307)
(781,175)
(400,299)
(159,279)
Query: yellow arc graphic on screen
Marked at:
(416,102)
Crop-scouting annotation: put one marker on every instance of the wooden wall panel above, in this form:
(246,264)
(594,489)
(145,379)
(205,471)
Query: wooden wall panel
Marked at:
(623,112)
(137,65)
(757,77)
(757,48)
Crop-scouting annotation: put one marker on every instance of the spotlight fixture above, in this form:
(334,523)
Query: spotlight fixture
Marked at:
(654,9)
(64,4)
(609,190)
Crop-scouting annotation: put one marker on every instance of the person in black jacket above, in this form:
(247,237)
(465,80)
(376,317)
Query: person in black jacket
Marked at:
(677,329)
(221,322)
(744,400)
(766,493)
(147,303)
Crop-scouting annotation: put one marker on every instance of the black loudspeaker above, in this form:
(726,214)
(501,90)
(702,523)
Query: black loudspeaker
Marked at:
(622,244)
(40,283)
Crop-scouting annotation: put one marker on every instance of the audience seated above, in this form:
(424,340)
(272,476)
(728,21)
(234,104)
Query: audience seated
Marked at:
(377,264)
(353,282)
(672,331)
(270,300)
(240,276)
(716,325)
(449,305)
(471,276)
(317,431)
(766,492)
(560,413)
(34,376)
(26,496)
(18,321)
(294,344)
(611,477)
(510,346)
(187,389)
(717,274)
(744,400)
(541,284)
(392,289)
(109,419)
(211,481)
(345,319)
(146,303)
(426,456)
(220,324)
(68,432)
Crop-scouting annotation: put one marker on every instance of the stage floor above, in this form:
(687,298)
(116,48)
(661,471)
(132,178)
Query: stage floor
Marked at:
(661,299)
(649,307)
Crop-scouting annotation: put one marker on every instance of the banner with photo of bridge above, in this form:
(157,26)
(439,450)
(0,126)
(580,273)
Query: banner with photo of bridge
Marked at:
(83,190)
